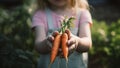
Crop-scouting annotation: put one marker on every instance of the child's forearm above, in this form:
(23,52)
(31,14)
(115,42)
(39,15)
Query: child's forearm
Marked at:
(42,47)
(83,44)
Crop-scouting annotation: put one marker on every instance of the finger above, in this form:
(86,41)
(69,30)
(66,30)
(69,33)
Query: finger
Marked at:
(61,55)
(71,42)
(49,44)
(50,38)
(55,33)
(72,47)
(59,52)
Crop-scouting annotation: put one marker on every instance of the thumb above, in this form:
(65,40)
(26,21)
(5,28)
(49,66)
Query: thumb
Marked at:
(71,42)
(50,38)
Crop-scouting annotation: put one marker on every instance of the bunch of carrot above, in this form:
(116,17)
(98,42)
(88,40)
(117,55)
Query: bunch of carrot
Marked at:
(61,39)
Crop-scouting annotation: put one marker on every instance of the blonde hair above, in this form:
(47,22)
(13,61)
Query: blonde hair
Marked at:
(83,4)
(42,4)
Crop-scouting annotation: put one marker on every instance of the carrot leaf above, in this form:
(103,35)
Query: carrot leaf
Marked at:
(66,23)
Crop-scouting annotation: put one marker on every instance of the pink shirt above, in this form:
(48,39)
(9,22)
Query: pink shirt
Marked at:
(39,19)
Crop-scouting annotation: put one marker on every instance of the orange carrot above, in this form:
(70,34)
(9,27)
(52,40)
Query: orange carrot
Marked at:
(64,40)
(55,48)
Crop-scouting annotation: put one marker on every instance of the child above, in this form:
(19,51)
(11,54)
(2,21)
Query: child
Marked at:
(46,22)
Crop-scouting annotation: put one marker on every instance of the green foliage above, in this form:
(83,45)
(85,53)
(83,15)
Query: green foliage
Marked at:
(16,38)
(99,35)
(106,45)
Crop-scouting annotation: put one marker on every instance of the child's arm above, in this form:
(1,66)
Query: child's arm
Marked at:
(42,44)
(83,42)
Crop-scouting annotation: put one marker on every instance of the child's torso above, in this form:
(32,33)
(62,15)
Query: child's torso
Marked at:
(74,60)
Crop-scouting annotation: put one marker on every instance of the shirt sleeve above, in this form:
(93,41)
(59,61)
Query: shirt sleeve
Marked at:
(86,17)
(37,19)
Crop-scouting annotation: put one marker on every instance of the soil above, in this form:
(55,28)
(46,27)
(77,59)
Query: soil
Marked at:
(108,13)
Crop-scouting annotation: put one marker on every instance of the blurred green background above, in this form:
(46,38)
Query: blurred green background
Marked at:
(17,39)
